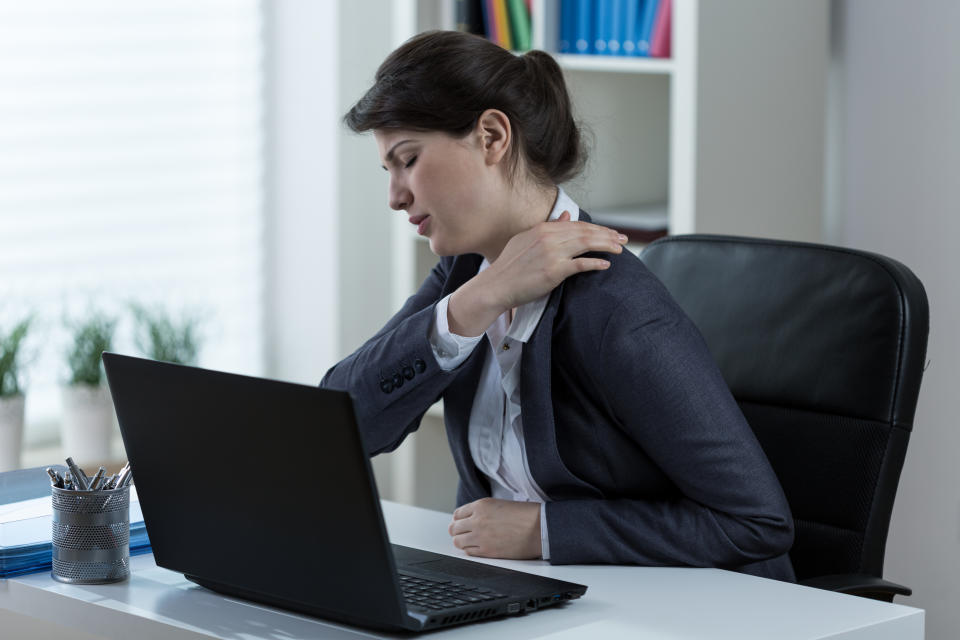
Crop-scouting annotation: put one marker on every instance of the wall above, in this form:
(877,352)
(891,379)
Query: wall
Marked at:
(327,215)
(897,157)
(364,238)
(302,186)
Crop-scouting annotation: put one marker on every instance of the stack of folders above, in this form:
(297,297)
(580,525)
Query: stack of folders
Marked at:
(506,22)
(616,27)
(26,522)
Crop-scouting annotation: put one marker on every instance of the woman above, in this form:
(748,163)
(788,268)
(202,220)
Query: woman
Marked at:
(586,418)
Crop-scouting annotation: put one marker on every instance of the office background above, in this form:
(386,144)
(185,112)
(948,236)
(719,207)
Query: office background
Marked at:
(318,273)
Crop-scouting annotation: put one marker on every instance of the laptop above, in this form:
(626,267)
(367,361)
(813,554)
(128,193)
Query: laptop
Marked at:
(262,489)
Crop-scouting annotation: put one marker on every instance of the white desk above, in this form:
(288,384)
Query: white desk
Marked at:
(622,602)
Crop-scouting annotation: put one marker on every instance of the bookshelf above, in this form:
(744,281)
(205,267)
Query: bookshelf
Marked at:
(726,136)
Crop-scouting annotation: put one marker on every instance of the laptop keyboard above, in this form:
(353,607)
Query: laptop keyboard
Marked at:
(433,595)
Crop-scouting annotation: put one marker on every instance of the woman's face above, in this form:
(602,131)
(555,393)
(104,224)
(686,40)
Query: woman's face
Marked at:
(443,184)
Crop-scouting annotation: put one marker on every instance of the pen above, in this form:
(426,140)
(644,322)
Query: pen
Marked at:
(68,481)
(111,483)
(97,479)
(79,479)
(55,479)
(123,476)
(125,482)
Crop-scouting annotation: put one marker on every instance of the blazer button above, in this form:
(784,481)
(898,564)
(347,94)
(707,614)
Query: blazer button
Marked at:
(397,381)
(386,386)
(407,372)
(420,365)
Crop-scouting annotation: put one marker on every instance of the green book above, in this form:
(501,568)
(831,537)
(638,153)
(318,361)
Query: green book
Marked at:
(520,28)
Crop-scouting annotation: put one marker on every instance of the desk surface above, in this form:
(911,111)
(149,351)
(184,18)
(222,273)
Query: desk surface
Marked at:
(622,602)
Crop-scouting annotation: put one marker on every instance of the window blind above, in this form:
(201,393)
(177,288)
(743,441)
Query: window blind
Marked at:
(131,171)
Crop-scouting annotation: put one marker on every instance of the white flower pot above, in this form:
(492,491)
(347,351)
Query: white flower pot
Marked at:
(87,424)
(11,431)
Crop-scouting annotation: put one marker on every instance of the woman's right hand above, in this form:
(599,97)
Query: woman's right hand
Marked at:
(531,265)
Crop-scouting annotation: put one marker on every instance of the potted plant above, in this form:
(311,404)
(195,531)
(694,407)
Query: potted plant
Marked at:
(87,424)
(11,395)
(160,337)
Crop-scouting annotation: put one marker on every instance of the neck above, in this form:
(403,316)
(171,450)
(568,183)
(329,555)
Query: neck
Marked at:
(526,207)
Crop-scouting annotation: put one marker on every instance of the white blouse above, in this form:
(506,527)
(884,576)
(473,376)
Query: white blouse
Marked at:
(495,433)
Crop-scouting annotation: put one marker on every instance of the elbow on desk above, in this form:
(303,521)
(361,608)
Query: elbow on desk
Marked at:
(762,537)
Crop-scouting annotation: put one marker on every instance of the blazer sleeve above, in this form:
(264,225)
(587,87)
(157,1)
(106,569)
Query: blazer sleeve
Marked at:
(664,388)
(394,376)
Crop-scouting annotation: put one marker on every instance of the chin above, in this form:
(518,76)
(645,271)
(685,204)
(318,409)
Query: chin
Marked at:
(440,249)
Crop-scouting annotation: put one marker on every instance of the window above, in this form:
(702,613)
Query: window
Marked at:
(131,170)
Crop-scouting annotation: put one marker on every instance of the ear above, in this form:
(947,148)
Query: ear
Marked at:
(494,134)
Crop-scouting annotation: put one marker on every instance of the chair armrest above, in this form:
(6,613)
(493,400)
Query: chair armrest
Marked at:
(859,584)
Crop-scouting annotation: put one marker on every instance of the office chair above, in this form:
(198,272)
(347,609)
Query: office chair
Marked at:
(823,348)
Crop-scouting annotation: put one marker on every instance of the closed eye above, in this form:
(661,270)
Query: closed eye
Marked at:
(410,162)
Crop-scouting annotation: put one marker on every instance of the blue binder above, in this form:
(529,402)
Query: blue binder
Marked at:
(631,24)
(645,30)
(583,43)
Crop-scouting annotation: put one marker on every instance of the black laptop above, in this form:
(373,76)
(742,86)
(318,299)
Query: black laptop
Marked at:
(262,489)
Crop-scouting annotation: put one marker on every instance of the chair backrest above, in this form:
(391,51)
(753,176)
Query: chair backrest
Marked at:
(823,348)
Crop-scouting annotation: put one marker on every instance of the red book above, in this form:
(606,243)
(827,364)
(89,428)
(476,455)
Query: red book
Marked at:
(660,42)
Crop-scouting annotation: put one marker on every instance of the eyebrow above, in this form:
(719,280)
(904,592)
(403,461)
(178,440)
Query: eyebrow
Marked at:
(389,156)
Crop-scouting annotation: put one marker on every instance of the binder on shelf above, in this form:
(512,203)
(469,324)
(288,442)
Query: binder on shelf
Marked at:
(469,16)
(602,26)
(568,26)
(645,30)
(660,43)
(489,21)
(615,41)
(631,20)
(503,24)
(584,32)
(520,28)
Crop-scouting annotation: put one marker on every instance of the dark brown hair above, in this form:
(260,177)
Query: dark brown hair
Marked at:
(444,80)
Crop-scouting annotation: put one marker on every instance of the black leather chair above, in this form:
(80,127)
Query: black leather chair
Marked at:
(823,348)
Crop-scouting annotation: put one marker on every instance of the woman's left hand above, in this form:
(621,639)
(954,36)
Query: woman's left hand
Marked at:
(494,528)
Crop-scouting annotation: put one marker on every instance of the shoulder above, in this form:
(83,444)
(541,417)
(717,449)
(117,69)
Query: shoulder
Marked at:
(627,294)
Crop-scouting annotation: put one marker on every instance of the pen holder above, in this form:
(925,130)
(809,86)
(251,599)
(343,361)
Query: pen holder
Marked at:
(91,536)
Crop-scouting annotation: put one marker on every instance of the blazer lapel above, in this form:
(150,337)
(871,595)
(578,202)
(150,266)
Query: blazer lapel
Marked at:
(539,426)
(458,398)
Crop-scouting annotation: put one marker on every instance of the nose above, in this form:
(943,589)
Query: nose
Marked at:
(400,196)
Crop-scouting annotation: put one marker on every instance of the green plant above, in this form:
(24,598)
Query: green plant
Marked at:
(160,337)
(90,339)
(10,358)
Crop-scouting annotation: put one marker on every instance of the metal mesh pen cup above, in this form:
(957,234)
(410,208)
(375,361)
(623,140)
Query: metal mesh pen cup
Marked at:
(91,536)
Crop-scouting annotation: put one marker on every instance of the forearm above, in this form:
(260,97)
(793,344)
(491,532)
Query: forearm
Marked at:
(661,533)
(393,379)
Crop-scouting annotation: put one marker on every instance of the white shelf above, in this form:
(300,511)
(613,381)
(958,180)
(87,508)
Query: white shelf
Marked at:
(615,64)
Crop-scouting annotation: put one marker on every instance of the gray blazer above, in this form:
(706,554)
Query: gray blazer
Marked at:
(630,429)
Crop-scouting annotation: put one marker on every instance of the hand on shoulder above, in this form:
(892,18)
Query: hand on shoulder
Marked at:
(532,264)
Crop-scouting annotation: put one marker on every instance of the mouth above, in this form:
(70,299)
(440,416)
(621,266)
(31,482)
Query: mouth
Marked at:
(421,222)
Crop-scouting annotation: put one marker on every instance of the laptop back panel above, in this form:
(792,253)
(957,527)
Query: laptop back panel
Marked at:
(295,517)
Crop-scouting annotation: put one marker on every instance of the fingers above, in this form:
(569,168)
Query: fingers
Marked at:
(458,527)
(464,512)
(589,264)
(581,237)
(466,541)
(592,237)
